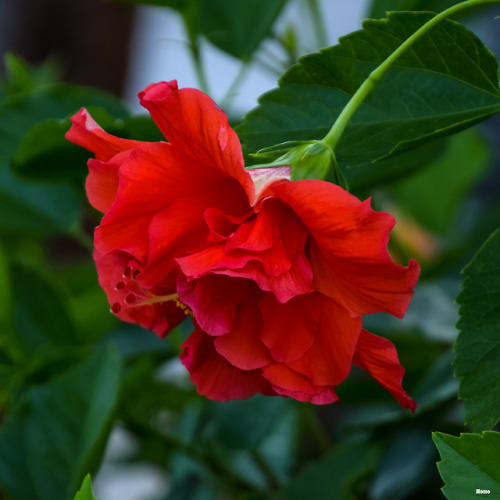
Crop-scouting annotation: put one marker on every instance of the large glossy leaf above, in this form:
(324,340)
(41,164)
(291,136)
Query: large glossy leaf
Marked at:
(478,344)
(58,433)
(470,465)
(24,110)
(238,27)
(446,82)
(34,208)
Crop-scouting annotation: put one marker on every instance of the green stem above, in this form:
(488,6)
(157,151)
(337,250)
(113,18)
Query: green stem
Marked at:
(198,67)
(318,23)
(233,88)
(335,133)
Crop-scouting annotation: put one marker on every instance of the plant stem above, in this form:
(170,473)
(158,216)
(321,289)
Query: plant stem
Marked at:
(335,133)
(318,23)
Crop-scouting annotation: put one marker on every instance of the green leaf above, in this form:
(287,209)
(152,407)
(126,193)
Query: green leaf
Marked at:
(469,463)
(41,317)
(44,153)
(432,194)
(24,110)
(338,475)
(37,208)
(238,27)
(85,492)
(58,433)
(478,343)
(405,110)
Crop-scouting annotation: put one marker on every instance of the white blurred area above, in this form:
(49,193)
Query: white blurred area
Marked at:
(160,52)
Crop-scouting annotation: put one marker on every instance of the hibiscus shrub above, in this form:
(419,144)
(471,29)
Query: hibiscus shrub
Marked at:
(241,306)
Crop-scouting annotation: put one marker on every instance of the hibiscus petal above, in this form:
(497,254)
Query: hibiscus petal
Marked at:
(242,347)
(86,132)
(290,329)
(123,293)
(379,358)
(348,249)
(213,376)
(213,300)
(329,360)
(286,382)
(191,121)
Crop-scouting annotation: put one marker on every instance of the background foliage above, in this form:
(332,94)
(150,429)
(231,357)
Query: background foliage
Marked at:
(70,373)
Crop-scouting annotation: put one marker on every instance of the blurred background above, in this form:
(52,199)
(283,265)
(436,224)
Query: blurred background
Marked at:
(121,48)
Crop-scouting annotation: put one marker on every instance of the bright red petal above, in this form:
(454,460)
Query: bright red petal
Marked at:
(289,330)
(86,132)
(213,376)
(379,358)
(213,300)
(286,382)
(328,361)
(349,248)
(243,347)
(117,272)
(194,124)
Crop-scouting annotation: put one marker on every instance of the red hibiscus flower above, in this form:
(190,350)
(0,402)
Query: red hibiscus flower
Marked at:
(277,274)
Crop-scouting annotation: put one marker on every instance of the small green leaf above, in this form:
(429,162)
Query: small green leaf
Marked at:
(85,492)
(238,27)
(61,426)
(405,110)
(44,153)
(35,208)
(469,463)
(478,343)
(24,110)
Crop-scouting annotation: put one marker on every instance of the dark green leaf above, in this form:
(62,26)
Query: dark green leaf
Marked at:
(85,492)
(24,110)
(238,27)
(44,153)
(41,317)
(37,208)
(469,463)
(337,475)
(478,344)
(62,427)
(444,83)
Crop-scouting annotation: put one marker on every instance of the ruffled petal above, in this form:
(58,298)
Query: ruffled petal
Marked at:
(86,132)
(329,360)
(243,347)
(213,300)
(151,179)
(192,122)
(290,329)
(286,382)
(213,376)
(268,248)
(379,358)
(348,249)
